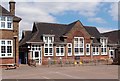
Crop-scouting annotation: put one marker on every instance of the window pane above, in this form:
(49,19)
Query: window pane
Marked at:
(33,49)
(3,49)
(57,50)
(3,24)
(9,25)
(111,52)
(50,50)
(9,42)
(105,50)
(105,41)
(69,50)
(3,55)
(50,39)
(46,39)
(76,39)
(3,42)
(76,50)
(81,49)
(96,49)
(9,54)
(39,48)
(2,18)
(93,49)
(69,45)
(101,49)
(46,50)
(87,49)
(9,19)
(36,54)
(87,45)
(81,44)
(46,45)
(62,50)
(51,45)
(9,49)
(81,40)
(76,45)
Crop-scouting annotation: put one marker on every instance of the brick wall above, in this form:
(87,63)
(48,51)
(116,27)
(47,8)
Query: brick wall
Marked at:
(9,34)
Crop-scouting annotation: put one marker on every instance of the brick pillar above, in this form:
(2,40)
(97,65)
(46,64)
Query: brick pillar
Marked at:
(29,55)
(73,51)
(54,54)
(92,57)
(66,52)
(42,46)
(100,51)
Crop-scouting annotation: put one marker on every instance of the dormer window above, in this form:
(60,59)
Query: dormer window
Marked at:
(103,41)
(6,22)
(48,38)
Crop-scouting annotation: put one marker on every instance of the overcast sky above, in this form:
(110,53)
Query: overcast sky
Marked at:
(101,14)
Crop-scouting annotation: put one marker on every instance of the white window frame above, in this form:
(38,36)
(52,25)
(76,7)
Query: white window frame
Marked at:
(6,54)
(78,46)
(104,46)
(96,52)
(87,47)
(69,47)
(35,47)
(59,47)
(49,44)
(104,53)
(113,53)
(6,22)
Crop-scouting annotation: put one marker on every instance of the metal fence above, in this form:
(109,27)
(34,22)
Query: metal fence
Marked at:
(83,62)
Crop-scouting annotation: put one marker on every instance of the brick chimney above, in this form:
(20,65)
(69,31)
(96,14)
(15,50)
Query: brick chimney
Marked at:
(12,7)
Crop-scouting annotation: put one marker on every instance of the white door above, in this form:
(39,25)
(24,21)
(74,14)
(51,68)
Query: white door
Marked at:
(37,57)
(111,53)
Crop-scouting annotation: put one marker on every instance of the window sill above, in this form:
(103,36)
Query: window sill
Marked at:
(5,57)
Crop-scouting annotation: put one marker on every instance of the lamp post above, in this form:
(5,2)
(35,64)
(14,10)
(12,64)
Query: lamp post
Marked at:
(15,37)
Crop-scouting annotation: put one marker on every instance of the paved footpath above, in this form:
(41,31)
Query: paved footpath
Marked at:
(55,72)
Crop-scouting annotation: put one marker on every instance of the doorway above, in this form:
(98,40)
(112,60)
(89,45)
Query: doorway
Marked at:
(111,54)
(37,56)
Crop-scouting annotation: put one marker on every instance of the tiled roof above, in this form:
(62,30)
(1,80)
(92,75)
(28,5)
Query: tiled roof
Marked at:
(5,12)
(113,36)
(40,28)
(93,31)
(25,37)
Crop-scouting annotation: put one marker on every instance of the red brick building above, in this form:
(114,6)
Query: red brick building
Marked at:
(63,41)
(114,44)
(9,29)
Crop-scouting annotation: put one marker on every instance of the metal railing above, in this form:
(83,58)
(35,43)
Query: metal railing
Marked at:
(82,62)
